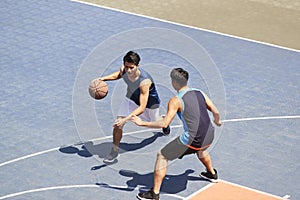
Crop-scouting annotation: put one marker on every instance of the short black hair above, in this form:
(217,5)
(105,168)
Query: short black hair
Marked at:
(180,76)
(132,57)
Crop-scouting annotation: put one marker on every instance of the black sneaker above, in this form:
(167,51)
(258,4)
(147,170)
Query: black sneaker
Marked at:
(209,176)
(166,131)
(111,157)
(148,195)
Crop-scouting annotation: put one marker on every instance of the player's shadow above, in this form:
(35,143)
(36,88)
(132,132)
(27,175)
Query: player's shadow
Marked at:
(172,184)
(89,149)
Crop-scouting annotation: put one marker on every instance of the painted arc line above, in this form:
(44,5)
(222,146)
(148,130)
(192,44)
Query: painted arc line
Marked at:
(57,148)
(47,189)
(28,156)
(96,186)
(140,131)
(69,187)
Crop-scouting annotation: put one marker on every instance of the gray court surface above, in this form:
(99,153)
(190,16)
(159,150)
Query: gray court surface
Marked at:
(54,136)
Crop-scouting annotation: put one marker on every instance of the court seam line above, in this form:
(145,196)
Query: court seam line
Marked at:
(140,131)
(187,26)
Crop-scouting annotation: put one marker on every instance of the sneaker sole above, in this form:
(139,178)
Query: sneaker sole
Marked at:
(209,179)
(140,198)
(111,161)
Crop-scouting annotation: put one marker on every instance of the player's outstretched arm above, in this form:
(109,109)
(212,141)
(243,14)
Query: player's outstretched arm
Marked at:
(173,106)
(113,76)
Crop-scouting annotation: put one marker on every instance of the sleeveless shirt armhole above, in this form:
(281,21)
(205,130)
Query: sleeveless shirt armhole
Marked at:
(199,91)
(182,103)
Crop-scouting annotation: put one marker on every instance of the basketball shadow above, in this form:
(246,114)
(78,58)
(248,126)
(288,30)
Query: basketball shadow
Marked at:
(89,149)
(172,184)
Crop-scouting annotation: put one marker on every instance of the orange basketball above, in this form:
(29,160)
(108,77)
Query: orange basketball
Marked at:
(98,89)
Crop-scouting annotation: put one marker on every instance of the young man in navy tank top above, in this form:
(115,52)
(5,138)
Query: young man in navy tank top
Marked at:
(141,99)
(191,106)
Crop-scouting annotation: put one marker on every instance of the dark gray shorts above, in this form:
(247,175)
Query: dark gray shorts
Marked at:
(175,149)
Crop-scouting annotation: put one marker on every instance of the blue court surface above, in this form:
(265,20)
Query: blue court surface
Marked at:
(54,136)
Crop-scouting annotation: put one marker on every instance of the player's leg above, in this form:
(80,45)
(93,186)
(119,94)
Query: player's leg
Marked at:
(114,153)
(204,156)
(117,135)
(160,170)
(171,151)
(210,172)
(124,110)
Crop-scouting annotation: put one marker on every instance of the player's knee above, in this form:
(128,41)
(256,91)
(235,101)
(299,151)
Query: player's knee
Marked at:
(202,154)
(161,156)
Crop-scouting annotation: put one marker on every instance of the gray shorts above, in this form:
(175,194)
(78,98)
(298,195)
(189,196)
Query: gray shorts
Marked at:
(127,106)
(176,149)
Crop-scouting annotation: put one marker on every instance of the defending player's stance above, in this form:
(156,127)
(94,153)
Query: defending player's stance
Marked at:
(191,105)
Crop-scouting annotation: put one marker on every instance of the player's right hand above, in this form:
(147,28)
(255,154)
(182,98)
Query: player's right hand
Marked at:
(218,122)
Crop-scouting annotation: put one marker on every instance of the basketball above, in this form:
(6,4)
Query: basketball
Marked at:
(98,89)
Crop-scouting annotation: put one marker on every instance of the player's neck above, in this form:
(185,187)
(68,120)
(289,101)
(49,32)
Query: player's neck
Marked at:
(183,88)
(135,77)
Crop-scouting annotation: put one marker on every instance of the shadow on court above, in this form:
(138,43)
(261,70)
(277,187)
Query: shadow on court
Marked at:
(172,184)
(89,149)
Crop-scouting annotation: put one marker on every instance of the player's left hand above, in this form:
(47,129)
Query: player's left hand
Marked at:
(135,119)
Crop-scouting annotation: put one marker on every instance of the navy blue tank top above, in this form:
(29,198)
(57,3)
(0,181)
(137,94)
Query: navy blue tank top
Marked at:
(194,117)
(133,89)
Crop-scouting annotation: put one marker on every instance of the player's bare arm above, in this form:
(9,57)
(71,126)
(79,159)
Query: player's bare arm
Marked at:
(113,76)
(174,105)
(212,108)
(144,94)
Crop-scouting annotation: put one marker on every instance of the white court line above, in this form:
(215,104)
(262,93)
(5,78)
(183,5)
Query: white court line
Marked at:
(237,185)
(184,25)
(254,190)
(146,130)
(57,148)
(129,133)
(47,189)
(74,186)
(261,118)
(173,195)
(201,190)
(28,156)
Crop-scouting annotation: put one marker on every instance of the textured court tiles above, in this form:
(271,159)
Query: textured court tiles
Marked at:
(43,44)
